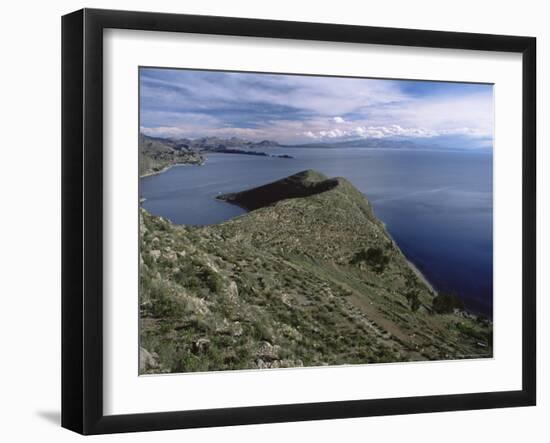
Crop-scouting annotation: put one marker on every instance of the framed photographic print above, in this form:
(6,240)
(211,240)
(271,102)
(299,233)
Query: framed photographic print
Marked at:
(269,221)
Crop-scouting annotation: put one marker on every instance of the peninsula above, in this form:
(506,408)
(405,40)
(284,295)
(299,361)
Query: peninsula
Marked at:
(308,277)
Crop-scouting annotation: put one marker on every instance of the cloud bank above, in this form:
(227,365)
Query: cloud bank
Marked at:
(300,109)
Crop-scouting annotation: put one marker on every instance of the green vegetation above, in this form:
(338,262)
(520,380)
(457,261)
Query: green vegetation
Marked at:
(447,303)
(302,281)
(374,257)
(413,299)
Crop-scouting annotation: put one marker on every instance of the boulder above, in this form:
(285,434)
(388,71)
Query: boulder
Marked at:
(147,360)
(266,351)
(233,291)
(201,345)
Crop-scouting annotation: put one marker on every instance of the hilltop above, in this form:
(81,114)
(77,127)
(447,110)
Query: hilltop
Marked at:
(309,277)
(303,184)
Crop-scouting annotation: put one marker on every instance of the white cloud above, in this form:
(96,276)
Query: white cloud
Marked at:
(373,132)
(468,115)
(333,133)
(338,120)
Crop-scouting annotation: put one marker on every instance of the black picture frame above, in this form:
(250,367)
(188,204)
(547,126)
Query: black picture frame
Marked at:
(82,218)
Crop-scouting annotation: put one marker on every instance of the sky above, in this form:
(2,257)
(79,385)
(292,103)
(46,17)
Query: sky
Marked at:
(296,109)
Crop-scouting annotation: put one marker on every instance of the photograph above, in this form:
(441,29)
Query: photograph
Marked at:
(304,220)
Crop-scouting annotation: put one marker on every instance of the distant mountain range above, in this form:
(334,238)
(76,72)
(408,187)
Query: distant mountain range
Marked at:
(363,143)
(454,142)
(217,143)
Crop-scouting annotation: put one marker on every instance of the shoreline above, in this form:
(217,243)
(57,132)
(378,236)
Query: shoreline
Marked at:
(421,276)
(166,168)
(411,265)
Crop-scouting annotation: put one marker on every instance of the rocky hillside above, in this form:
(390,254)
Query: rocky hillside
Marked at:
(308,277)
(156,154)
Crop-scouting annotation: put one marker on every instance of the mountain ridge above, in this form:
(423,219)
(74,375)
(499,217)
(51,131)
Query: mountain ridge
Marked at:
(441,142)
(301,184)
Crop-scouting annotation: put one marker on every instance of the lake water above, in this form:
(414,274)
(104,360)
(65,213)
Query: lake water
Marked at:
(437,205)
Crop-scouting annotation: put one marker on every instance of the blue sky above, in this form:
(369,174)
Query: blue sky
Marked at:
(303,109)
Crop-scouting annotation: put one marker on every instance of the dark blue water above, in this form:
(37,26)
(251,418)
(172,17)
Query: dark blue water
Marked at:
(437,205)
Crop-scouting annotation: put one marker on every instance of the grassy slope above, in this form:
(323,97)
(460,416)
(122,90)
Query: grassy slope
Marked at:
(289,285)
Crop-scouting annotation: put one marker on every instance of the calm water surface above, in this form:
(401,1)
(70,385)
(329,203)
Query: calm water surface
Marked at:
(437,205)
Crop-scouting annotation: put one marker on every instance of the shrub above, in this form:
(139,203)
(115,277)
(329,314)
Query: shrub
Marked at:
(374,257)
(447,303)
(482,319)
(163,303)
(412,298)
(187,279)
(473,332)
(212,280)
